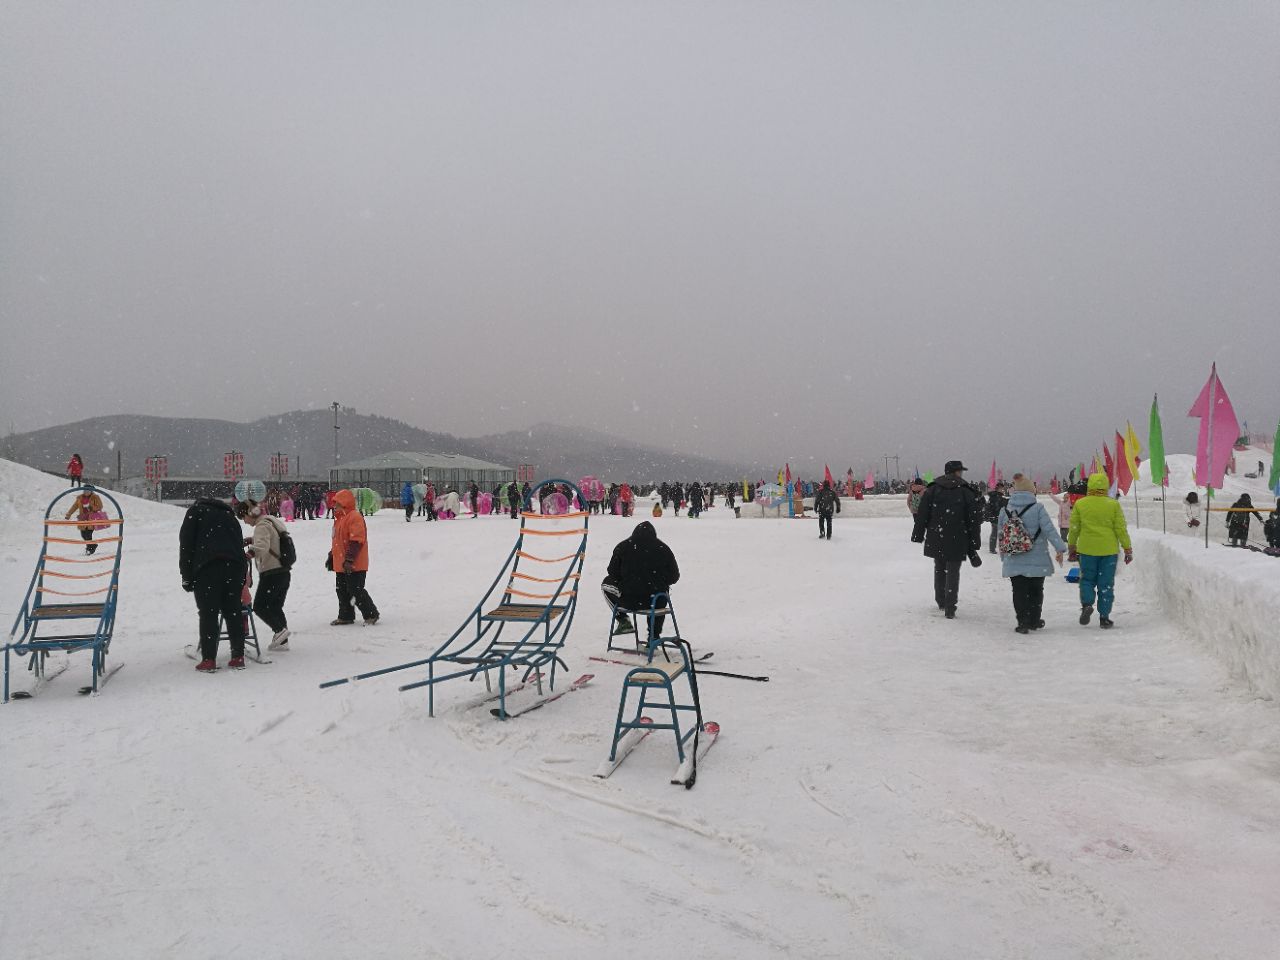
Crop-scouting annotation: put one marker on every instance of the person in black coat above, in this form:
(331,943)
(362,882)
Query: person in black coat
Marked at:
(1238,522)
(827,504)
(641,566)
(949,524)
(996,501)
(514,499)
(212,564)
(695,500)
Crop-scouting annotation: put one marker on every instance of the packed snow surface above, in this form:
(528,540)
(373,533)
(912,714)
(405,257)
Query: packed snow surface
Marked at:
(904,786)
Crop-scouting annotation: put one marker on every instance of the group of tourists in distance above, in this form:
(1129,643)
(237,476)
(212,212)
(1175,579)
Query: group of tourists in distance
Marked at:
(949,513)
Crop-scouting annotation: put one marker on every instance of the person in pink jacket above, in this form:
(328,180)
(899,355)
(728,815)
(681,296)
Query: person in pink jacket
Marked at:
(1063,500)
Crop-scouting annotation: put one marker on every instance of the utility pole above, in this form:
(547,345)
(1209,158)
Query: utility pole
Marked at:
(336,428)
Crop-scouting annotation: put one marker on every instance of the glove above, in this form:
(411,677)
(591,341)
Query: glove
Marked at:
(1072,556)
(1128,556)
(974,559)
(915,539)
(348,566)
(328,562)
(188,586)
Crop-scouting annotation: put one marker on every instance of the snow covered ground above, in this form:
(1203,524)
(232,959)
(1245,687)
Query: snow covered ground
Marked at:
(904,786)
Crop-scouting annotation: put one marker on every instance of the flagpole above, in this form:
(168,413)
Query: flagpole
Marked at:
(1208,461)
(1137,520)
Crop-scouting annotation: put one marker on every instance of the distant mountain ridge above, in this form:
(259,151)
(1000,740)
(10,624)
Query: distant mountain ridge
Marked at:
(195,447)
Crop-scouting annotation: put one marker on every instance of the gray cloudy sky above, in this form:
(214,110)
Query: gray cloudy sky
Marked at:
(753,230)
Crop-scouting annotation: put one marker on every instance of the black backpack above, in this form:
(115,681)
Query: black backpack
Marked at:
(287,556)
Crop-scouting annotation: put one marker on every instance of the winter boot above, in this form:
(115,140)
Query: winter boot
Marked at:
(1085,613)
(1022,628)
(236,663)
(949,613)
(207,666)
(1105,623)
(341,623)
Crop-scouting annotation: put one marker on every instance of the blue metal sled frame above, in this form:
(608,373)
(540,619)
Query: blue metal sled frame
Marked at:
(36,612)
(659,677)
(479,644)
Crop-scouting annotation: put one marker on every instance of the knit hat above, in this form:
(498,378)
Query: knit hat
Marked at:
(1024,484)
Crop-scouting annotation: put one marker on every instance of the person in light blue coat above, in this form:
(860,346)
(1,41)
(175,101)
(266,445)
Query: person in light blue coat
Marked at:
(1026,571)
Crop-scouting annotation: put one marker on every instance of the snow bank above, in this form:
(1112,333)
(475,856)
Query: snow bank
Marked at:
(25,495)
(1229,600)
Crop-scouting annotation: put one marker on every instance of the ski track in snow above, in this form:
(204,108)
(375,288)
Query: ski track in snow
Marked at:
(905,787)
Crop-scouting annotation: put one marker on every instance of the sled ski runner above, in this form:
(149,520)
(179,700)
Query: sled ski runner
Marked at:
(578,684)
(41,680)
(102,681)
(639,663)
(687,773)
(628,743)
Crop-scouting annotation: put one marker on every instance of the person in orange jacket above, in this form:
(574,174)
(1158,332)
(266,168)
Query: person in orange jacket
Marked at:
(349,560)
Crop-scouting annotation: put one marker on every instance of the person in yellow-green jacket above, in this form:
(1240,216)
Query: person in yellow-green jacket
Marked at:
(1096,534)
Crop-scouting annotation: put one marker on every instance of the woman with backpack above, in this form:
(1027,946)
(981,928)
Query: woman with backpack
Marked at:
(1026,530)
(272,551)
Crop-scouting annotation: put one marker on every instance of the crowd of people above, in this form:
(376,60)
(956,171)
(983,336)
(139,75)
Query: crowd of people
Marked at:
(949,513)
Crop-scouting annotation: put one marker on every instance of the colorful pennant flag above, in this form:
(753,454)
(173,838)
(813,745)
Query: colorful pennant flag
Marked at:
(1274,481)
(991,477)
(1132,449)
(826,476)
(1219,431)
(1155,437)
(1123,475)
(1109,465)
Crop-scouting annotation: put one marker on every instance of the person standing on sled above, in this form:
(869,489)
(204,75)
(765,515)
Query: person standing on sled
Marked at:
(826,503)
(949,524)
(349,559)
(212,565)
(641,567)
(1097,531)
(88,505)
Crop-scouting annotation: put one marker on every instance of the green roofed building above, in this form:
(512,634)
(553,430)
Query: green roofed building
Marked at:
(388,472)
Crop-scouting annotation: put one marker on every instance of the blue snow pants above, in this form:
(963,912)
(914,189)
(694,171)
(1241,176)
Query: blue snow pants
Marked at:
(1098,573)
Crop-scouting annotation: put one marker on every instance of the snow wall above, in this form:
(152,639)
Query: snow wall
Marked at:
(1228,599)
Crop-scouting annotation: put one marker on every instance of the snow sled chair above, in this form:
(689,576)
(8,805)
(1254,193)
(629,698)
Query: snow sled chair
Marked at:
(49,580)
(658,679)
(505,630)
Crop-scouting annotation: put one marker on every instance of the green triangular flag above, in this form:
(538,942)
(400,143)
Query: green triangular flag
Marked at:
(1156,444)
(1274,481)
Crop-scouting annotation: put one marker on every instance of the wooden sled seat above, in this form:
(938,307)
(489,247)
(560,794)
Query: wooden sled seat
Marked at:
(658,672)
(67,611)
(522,611)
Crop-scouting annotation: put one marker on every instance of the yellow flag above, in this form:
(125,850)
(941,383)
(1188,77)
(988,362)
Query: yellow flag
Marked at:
(1131,448)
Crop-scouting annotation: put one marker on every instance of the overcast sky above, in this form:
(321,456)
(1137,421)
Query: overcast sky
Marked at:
(784,230)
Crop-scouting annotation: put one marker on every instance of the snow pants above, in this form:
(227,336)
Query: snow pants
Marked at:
(1028,599)
(1098,574)
(86,534)
(618,603)
(824,525)
(995,535)
(218,587)
(350,588)
(268,601)
(946,582)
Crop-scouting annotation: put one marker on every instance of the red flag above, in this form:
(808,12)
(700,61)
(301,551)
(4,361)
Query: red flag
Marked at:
(1217,417)
(788,473)
(1124,478)
(991,477)
(1053,485)
(1108,465)
(826,475)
